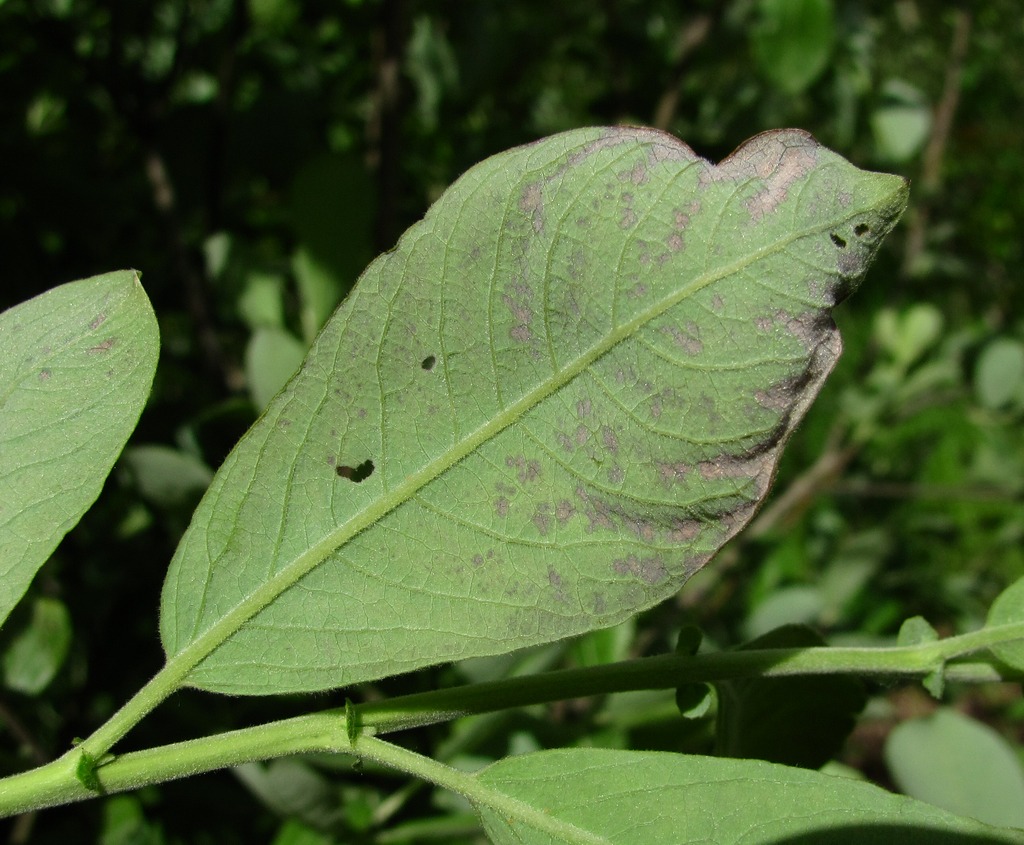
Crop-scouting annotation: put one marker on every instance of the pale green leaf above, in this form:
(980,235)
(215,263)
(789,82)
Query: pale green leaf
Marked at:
(37,652)
(1007,609)
(271,358)
(540,413)
(959,764)
(999,373)
(76,365)
(792,41)
(596,796)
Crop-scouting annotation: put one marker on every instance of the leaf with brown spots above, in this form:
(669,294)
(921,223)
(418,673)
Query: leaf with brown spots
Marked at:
(621,336)
(76,366)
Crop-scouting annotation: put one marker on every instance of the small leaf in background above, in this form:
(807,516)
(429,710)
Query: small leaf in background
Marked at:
(261,304)
(908,335)
(76,366)
(37,652)
(1008,608)
(801,721)
(797,605)
(959,764)
(793,40)
(166,476)
(333,207)
(902,121)
(293,832)
(999,374)
(640,798)
(294,789)
(548,406)
(124,823)
(271,358)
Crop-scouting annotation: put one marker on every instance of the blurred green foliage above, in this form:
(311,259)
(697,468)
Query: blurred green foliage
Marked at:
(250,157)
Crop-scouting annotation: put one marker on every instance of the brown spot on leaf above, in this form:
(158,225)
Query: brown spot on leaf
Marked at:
(45,375)
(542,519)
(531,202)
(98,321)
(501,506)
(478,559)
(616,475)
(564,511)
(675,242)
(672,472)
(651,570)
(105,346)
(628,219)
(686,338)
(610,439)
(583,408)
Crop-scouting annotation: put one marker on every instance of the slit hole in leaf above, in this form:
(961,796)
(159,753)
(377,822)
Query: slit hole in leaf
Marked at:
(861,229)
(358,473)
(428,363)
(838,241)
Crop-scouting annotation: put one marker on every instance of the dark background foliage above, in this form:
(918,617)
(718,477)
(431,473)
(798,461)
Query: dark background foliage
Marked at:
(249,158)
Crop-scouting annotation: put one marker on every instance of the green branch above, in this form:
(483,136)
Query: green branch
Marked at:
(59,782)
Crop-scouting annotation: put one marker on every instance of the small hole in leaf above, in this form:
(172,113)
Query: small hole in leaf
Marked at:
(838,241)
(428,362)
(358,473)
(861,229)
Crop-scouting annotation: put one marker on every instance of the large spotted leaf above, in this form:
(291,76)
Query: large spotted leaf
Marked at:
(545,409)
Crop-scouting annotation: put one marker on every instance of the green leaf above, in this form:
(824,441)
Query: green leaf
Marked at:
(999,373)
(918,631)
(36,654)
(272,357)
(902,122)
(540,413)
(637,798)
(76,365)
(166,476)
(793,40)
(1008,608)
(796,721)
(959,764)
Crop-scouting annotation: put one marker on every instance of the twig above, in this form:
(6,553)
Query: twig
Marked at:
(690,38)
(934,151)
(195,287)
(383,129)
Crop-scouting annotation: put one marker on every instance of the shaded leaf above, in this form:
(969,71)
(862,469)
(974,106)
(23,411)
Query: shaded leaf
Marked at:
(76,365)
(1008,608)
(36,654)
(792,41)
(272,357)
(639,798)
(959,764)
(545,409)
(999,373)
(801,721)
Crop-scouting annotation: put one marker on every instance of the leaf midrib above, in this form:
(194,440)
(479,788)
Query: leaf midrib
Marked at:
(181,663)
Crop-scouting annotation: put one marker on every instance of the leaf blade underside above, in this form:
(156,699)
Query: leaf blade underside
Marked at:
(564,389)
(76,368)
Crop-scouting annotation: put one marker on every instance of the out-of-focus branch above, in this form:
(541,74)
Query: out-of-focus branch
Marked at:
(195,286)
(691,36)
(934,152)
(383,130)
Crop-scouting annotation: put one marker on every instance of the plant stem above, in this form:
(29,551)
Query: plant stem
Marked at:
(471,787)
(327,731)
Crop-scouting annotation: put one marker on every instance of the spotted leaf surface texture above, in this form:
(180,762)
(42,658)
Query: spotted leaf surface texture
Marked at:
(543,411)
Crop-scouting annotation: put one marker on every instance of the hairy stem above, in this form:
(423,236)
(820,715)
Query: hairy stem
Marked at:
(328,731)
